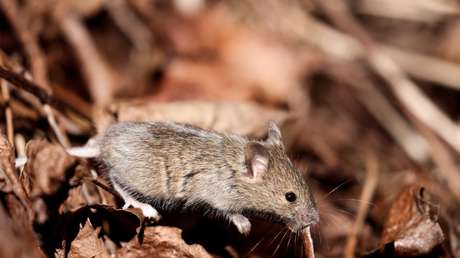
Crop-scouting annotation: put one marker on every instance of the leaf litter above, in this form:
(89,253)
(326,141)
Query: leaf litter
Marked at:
(365,92)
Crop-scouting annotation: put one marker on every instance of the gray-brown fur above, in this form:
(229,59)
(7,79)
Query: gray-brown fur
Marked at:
(167,163)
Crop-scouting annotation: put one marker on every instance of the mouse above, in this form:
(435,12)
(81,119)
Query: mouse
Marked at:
(168,165)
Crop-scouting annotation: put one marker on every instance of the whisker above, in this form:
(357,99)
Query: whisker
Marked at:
(295,242)
(330,218)
(289,240)
(256,245)
(301,249)
(336,188)
(279,244)
(343,211)
(276,236)
(355,200)
(259,242)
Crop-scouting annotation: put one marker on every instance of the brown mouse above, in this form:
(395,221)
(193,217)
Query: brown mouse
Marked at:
(166,165)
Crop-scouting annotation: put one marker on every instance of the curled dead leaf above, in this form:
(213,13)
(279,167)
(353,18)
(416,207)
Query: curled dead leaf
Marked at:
(47,167)
(412,224)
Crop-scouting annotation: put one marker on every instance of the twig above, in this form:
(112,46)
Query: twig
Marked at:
(104,187)
(420,10)
(62,138)
(415,101)
(139,35)
(366,195)
(427,68)
(29,41)
(382,110)
(308,243)
(7,166)
(33,88)
(8,111)
(95,70)
(405,90)
(443,159)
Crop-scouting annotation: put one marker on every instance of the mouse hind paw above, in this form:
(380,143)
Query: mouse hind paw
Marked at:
(147,210)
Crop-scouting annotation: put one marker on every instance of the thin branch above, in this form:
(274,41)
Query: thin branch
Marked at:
(308,243)
(36,90)
(138,33)
(61,136)
(428,11)
(7,166)
(443,158)
(405,90)
(95,70)
(366,195)
(377,104)
(29,41)
(8,111)
(427,68)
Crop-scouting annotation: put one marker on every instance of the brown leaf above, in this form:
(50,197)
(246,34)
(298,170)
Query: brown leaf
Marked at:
(18,204)
(162,242)
(16,234)
(6,160)
(88,243)
(243,118)
(88,225)
(241,63)
(412,224)
(47,166)
(14,240)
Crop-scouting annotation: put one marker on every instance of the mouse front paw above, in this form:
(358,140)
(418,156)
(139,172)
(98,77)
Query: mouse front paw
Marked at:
(147,210)
(241,223)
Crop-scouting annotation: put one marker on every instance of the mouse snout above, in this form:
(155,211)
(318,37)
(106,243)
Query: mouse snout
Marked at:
(307,216)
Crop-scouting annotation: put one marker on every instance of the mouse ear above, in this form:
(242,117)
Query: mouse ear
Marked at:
(274,133)
(256,162)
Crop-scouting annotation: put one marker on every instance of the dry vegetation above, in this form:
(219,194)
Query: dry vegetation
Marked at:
(366,93)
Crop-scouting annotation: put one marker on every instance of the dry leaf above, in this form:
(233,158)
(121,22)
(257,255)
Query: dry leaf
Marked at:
(162,242)
(241,63)
(412,224)
(6,162)
(244,118)
(14,240)
(16,234)
(47,166)
(91,223)
(88,243)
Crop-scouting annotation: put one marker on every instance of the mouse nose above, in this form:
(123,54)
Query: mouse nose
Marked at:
(308,216)
(314,216)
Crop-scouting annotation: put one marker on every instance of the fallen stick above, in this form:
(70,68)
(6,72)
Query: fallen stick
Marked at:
(366,196)
(36,90)
(404,89)
(308,243)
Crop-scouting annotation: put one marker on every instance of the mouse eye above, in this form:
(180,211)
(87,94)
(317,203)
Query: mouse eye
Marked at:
(290,196)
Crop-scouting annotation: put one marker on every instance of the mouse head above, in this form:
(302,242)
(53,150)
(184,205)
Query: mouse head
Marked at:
(272,188)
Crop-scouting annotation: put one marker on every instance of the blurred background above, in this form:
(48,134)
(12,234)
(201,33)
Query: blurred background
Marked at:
(366,93)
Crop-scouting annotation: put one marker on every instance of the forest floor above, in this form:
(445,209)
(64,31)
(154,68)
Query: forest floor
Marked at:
(366,93)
